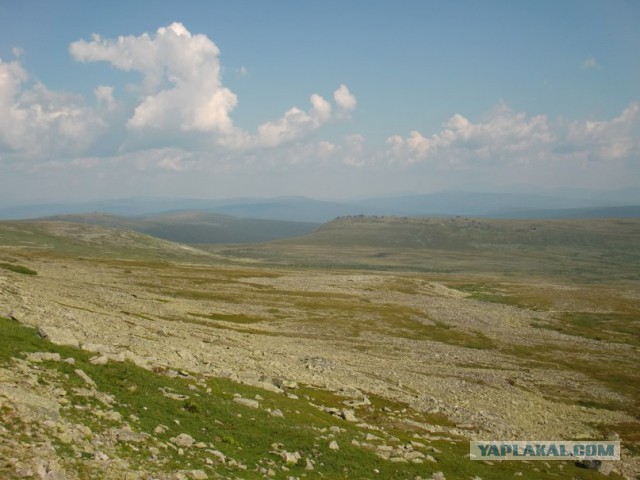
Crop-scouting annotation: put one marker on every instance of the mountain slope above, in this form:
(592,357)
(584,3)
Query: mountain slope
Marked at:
(580,250)
(463,233)
(91,240)
(198,227)
(512,203)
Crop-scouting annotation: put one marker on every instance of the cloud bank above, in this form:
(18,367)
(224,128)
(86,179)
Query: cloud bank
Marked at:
(507,137)
(183,89)
(179,118)
(35,120)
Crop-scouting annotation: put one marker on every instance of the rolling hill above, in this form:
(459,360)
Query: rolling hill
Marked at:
(579,249)
(78,240)
(515,202)
(194,227)
(467,233)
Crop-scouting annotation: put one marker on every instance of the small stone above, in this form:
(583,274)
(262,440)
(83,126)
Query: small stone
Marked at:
(160,429)
(37,357)
(465,426)
(289,384)
(604,468)
(414,454)
(99,360)
(113,416)
(125,434)
(59,336)
(219,455)
(247,402)
(348,415)
(174,396)
(198,475)
(182,440)
(85,377)
(276,413)
(309,465)
(398,460)
(291,458)
(334,445)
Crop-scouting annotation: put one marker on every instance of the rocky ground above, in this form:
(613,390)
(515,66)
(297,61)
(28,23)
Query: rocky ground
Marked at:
(371,332)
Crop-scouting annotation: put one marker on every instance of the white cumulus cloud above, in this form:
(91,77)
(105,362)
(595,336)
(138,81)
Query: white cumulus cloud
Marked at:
(508,137)
(35,120)
(183,84)
(606,139)
(183,90)
(344,99)
(294,124)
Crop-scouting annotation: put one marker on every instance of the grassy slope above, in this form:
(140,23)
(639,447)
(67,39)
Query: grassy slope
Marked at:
(246,435)
(198,227)
(587,250)
(583,272)
(597,253)
(72,239)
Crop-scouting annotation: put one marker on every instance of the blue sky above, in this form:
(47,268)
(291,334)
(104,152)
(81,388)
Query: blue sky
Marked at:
(326,99)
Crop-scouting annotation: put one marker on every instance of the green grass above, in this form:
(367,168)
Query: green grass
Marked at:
(239,432)
(17,268)
(355,317)
(619,376)
(77,240)
(224,317)
(513,270)
(505,294)
(576,250)
(612,327)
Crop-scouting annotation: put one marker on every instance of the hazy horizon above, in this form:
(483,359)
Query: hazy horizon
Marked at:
(327,100)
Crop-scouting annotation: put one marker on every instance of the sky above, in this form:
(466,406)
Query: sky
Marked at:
(325,99)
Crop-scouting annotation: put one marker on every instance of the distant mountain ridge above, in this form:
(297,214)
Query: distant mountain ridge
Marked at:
(192,227)
(573,203)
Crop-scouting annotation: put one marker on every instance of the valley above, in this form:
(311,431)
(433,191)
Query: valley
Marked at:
(387,335)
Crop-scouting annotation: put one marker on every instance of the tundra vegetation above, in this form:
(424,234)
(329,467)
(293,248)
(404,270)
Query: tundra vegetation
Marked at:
(371,348)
